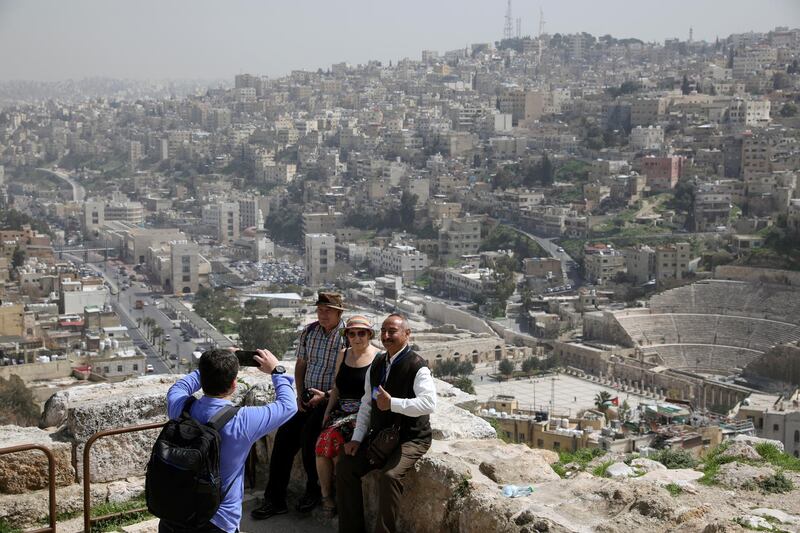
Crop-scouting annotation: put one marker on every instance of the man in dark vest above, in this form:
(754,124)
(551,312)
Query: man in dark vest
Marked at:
(398,390)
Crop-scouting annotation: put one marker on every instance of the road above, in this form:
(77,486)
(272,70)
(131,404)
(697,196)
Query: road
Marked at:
(78,192)
(124,303)
(568,265)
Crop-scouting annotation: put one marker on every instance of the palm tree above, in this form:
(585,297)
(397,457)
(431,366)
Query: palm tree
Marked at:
(601,400)
(156,333)
(148,322)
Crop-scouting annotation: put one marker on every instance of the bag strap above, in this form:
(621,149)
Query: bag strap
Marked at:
(189,401)
(222,417)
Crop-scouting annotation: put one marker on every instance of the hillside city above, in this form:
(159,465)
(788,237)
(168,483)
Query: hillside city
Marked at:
(595,239)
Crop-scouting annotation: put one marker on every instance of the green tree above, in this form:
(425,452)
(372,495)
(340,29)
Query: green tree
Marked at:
(17,404)
(625,411)
(788,109)
(781,81)
(156,334)
(546,171)
(408,204)
(258,329)
(530,364)
(601,400)
(506,367)
(504,179)
(465,368)
(465,384)
(18,257)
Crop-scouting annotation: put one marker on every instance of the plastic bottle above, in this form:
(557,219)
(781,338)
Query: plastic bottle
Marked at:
(513,491)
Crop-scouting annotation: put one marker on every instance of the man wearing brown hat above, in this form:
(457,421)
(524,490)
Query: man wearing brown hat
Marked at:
(317,350)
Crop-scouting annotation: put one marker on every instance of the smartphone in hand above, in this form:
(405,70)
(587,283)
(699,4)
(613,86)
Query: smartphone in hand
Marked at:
(246,358)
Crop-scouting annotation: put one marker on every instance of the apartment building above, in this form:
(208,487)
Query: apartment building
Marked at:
(640,263)
(672,261)
(603,265)
(459,236)
(398,259)
(649,138)
(648,111)
(662,172)
(320,258)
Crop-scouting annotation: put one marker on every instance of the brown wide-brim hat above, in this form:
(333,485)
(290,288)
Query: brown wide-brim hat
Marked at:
(330,299)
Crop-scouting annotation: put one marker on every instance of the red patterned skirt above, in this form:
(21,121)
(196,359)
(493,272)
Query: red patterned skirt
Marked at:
(339,431)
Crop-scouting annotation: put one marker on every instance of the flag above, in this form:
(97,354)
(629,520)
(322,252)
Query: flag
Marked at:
(615,400)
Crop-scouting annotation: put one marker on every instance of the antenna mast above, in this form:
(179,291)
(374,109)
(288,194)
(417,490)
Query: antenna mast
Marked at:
(508,28)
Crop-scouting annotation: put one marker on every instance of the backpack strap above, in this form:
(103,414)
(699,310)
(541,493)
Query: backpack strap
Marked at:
(187,406)
(222,417)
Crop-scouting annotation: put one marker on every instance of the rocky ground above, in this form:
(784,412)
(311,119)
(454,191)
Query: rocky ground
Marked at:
(458,485)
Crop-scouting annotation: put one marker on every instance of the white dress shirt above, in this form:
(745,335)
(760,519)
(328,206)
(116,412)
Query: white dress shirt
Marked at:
(423,404)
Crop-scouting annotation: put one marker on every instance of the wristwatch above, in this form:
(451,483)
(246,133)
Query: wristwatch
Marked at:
(278,370)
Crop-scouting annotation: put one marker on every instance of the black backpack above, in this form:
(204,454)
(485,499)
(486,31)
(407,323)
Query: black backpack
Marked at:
(183,484)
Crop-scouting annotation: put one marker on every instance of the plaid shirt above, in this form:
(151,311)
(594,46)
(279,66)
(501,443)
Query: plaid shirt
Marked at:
(319,349)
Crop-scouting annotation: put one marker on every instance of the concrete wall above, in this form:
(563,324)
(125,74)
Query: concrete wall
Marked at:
(36,371)
(445,314)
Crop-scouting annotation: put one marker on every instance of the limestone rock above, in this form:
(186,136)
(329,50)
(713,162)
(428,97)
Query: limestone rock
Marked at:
(26,471)
(647,465)
(738,475)
(453,394)
(26,510)
(755,522)
(693,514)
(777,514)
(450,422)
(679,476)
(741,450)
(514,464)
(125,490)
(620,470)
(752,441)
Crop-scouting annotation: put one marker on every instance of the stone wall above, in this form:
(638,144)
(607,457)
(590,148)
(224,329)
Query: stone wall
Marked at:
(760,275)
(456,487)
(445,314)
(781,363)
(38,371)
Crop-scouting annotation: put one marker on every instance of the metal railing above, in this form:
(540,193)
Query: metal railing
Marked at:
(51,481)
(87,483)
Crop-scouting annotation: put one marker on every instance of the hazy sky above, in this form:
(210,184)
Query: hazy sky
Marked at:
(59,39)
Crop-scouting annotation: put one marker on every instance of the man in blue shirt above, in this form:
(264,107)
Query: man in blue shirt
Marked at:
(216,375)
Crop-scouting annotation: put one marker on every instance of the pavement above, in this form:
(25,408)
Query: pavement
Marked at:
(569,394)
(292,522)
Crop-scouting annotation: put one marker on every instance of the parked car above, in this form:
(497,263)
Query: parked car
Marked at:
(149,369)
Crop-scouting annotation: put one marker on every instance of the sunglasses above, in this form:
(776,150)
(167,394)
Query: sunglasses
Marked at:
(357,333)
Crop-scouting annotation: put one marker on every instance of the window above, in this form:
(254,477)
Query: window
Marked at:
(556,445)
(106,370)
(135,367)
(775,427)
(186,278)
(539,443)
(119,368)
(797,435)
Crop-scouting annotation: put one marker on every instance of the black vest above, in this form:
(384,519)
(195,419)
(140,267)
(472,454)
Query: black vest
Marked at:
(401,385)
